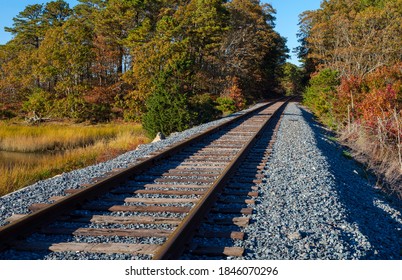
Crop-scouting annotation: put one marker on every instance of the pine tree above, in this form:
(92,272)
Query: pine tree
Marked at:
(167,107)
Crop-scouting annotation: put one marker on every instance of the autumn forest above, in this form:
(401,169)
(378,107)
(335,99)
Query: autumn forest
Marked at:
(140,60)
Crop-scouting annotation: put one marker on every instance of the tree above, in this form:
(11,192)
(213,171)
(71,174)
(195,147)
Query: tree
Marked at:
(60,68)
(111,52)
(185,33)
(167,107)
(55,13)
(202,24)
(252,50)
(292,80)
(154,50)
(27,27)
(352,36)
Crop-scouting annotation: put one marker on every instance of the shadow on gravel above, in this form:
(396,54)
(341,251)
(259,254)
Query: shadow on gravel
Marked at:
(372,212)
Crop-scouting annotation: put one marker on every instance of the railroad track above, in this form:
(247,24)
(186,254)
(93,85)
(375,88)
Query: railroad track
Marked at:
(155,208)
(232,211)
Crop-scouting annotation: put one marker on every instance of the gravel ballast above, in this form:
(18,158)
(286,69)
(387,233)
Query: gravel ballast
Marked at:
(315,203)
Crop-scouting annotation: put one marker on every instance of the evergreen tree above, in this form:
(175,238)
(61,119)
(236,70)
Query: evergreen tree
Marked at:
(167,107)
(27,27)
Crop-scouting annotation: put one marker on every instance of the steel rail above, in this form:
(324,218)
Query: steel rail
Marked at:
(175,245)
(31,222)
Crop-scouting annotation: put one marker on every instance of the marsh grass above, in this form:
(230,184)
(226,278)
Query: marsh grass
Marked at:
(95,144)
(29,139)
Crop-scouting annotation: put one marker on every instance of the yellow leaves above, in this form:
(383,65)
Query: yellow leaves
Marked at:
(352,38)
(141,33)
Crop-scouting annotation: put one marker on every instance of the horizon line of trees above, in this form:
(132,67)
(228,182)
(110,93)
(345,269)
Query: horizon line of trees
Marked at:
(105,59)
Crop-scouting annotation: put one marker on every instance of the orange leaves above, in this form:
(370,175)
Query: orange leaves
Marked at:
(377,105)
(375,101)
(236,94)
(383,87)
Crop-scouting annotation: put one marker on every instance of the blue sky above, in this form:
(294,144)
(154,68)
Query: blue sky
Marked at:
(287,17)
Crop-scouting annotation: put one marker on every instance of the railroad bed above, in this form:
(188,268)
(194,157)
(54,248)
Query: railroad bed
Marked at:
(154,208)
(295,196)
(316,204)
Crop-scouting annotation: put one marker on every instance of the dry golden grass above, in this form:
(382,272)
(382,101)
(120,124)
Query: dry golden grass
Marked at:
(380,156)
(24,138)
(17,176)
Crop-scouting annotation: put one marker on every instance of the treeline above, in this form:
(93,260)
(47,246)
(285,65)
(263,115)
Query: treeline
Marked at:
(150,60)
(352,50)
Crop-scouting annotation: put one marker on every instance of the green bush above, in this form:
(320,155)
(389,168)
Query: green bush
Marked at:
(6,114)
(167,112)
(100,112)
(203,109)
(39,101)
(73,107)
(77,108)
(320,95)
(226,105)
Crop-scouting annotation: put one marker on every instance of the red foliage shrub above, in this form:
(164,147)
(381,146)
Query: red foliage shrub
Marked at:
(376,121)
(377,104)
(380,107)
(348,94)
(372,101)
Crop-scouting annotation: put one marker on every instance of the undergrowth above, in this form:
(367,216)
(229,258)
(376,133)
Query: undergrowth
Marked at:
(367,114)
